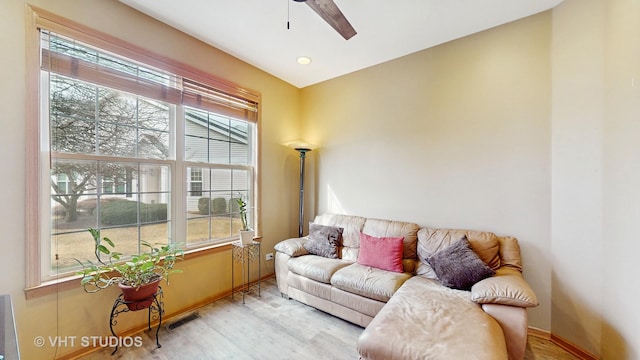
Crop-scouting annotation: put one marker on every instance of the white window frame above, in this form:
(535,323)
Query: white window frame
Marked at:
(224,95)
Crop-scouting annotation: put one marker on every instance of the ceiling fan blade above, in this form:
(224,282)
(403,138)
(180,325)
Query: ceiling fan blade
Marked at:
(329,11)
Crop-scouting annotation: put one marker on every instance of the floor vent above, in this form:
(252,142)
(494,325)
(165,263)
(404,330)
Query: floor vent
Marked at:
(182,321)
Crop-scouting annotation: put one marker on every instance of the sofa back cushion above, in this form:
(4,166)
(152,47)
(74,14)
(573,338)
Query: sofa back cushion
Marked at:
(485,244)
(388,228)
(352,227)
(510,253)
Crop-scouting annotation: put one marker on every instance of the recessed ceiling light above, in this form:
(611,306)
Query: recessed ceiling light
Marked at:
(303,60)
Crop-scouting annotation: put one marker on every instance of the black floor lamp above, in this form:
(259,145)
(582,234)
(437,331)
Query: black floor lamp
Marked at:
(302,148)
(303,154)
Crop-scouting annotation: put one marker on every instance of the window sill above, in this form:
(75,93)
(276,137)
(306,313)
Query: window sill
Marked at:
(73,282)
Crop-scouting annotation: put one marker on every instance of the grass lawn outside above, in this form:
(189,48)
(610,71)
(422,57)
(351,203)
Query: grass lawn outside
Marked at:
(76,242)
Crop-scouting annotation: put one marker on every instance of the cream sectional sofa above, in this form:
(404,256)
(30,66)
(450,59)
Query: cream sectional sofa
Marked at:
(410,314)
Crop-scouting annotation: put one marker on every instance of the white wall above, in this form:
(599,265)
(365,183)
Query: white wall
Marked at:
(621,182)
(577,123)
(596,172)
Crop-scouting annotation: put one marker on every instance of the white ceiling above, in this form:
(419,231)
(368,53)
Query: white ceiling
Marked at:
(255,31)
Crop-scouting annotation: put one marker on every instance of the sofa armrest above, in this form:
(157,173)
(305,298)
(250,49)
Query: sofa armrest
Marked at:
(513,321)
(506,287)
(293,247)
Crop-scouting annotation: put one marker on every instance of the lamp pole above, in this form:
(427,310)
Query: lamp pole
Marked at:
(303,155)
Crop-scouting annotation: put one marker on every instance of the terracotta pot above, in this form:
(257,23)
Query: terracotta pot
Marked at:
(141,297)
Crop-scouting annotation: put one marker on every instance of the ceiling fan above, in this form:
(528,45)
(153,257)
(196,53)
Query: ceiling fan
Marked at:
(329,11)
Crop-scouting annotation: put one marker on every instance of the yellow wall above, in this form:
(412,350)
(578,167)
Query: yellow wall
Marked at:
(74,313)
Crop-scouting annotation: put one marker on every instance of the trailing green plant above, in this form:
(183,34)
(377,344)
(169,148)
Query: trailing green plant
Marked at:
(242,209)
(154,264)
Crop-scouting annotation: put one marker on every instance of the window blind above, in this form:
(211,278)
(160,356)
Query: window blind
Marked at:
(79,61)
(207,98)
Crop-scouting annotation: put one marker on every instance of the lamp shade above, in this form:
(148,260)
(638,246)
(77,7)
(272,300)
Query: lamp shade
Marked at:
(300,145)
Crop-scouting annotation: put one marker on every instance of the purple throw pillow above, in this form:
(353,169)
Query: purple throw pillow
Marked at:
(324,240)
(458,267)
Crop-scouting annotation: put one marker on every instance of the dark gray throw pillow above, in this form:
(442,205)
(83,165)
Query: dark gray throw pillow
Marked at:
(458,267)
(324,240)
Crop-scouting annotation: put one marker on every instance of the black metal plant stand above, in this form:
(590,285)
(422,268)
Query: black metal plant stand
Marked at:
(156,309)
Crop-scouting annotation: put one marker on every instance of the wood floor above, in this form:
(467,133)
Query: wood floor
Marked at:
(269,327)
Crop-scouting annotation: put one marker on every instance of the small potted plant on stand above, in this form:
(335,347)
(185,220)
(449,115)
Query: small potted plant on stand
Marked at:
(246,233)
(138,277)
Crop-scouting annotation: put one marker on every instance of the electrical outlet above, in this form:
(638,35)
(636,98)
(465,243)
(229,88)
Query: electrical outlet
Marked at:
(269,256)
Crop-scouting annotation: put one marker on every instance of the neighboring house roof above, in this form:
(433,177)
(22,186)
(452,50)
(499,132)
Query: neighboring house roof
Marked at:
(219,124)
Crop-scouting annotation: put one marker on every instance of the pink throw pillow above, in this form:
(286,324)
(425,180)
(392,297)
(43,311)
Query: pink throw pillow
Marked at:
(382,253)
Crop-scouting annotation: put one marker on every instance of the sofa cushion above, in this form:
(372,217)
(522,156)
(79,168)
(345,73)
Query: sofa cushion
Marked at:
(352,226)
(409,265)
(383,253)
(368,281)
(507,287)
(292,247)
(316,267)
(324,240)
(315,288)
(510,253)
(425,270)
(361,304)
(389,228)
(485,244)
(425,320)
(458,267)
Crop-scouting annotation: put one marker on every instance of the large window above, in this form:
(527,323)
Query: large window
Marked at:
(141,152)
(217,149)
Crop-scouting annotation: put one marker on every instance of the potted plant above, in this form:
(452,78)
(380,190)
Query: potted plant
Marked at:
(138,277)
(246,233)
